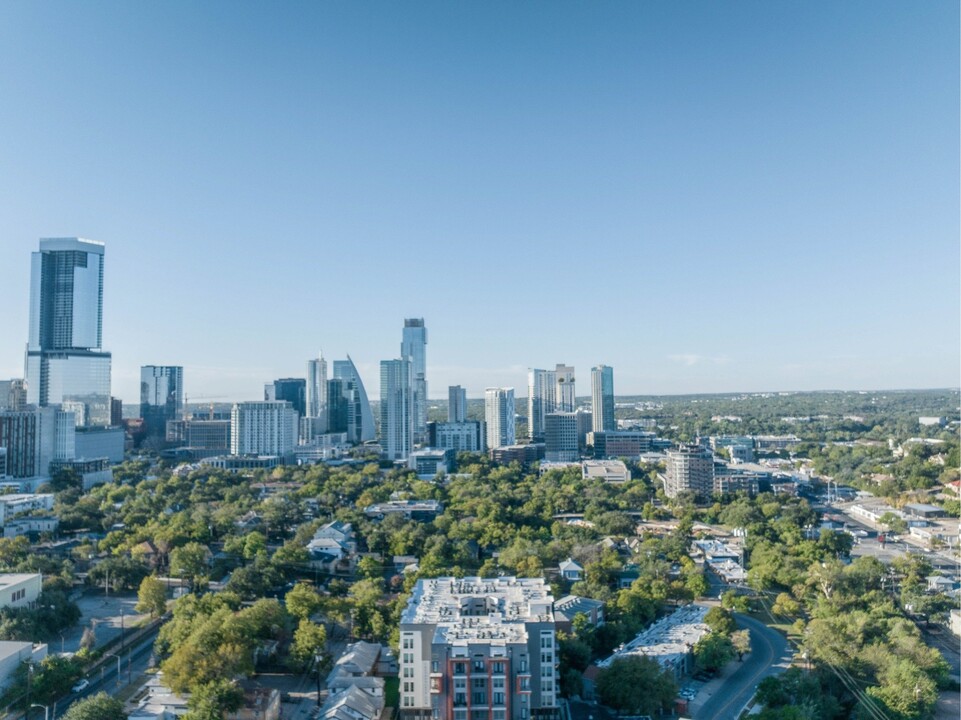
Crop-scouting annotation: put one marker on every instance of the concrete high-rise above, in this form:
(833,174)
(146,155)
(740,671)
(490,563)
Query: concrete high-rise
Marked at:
(161,397)
(360,418)
(456,404)
(413,348)
(65,359)
(13,394)
(602,398)
(690,468)
(396,411)
(499,415)
(564,398)
(541,399)
(263,428)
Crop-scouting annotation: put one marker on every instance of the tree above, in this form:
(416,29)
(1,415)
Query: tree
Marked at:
(369,568)
(190,562)
(302,601)
(741,641)
(212,700)
(97,707)
(720,621)
(713,651)
(310,640)
(152,596)
(785,605)
(636,685)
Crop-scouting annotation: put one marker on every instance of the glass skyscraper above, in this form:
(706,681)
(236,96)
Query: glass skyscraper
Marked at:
(360,418)
(65,362)
(413,348)
(161,396)
(602,398)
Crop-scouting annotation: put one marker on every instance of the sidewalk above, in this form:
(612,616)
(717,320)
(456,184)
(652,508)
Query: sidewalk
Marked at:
(712,687)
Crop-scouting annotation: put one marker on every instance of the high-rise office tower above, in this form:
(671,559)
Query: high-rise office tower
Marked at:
(560,437)
(293,390)
(413,348)
(396,411)
(263,428)
(65,361)
(161,397)
(541,399)
(316,387)
(456,404)
(499,415)
(565,399)
(337,406)
(360,418)
(602,398)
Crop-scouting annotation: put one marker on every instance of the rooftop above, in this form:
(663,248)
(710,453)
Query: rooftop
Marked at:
(473,608)
(673,635)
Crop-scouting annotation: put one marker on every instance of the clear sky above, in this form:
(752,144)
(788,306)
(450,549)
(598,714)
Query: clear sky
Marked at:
(708,196)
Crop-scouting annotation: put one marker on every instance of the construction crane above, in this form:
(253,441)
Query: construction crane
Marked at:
(204,397)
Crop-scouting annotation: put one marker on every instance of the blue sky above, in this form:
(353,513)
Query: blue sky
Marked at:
(707,196)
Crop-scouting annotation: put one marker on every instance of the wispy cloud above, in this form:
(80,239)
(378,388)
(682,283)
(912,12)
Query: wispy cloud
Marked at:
(692,359)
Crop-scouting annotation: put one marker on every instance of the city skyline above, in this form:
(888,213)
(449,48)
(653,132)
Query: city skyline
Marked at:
(768,193)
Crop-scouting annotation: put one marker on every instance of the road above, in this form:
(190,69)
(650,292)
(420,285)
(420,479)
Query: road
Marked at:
(769,655)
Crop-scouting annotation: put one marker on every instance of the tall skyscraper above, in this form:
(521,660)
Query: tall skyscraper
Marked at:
(565,399)
(65,360)
(161,397)
(413,348)
(337,406)
(456,404)
(560,437)
(396,411)
(13,394)
(541,399)
(316,387)
(360,418)
(499,414)
(602,398)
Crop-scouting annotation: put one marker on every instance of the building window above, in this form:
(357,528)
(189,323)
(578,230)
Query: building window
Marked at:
(479,698)
(498,683)
(408,643)
(498,668)
(434,666)
(408,658)
(408,672)
(523,666)
(498,698)
(478,683)
(460,668)
(547,641)
(500,715)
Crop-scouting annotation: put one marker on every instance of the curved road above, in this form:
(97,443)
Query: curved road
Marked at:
(769,655)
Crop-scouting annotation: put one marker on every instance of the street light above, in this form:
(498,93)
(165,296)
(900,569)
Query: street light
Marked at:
(46,710)
(118,666)
(318,656)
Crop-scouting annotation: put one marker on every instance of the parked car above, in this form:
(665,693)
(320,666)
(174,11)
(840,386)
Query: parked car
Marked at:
(81,685)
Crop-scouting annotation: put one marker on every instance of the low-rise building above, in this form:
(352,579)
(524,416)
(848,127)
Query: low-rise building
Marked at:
(430,462)
(570,606)
(612,471)
(524,454)
(15,652)
(571,570)
(19,590)
(669,641)
(411,509)
(620,443)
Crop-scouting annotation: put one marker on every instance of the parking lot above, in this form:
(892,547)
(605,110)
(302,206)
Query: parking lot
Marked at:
(109,616)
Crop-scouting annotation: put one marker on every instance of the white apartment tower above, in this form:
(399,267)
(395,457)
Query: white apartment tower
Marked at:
(499,415)
(541,399)
(479,649)
(413,348)
(267,427)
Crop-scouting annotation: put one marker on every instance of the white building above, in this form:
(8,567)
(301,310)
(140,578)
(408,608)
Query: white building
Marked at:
(564,397)
(499,415)
(541,399)
(478,649)
(18,590)
(413,349)
(263,428)
(613,471)
(456,404)
(16,503)
(13,653)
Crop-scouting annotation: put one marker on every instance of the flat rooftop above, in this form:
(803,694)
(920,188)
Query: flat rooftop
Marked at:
(471,609)
(673,635)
